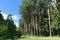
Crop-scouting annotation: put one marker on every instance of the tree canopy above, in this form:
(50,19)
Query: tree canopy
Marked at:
(41,17)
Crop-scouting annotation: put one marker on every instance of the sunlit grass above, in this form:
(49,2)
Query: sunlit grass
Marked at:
(38,38)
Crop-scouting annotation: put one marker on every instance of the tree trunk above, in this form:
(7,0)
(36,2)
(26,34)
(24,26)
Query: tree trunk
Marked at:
(24,28)
(48,11)
(39,25)
(36,26)
(29,28)
(33,26)
(49,20)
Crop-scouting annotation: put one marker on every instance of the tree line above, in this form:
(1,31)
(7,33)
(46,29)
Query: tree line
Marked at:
(40,17)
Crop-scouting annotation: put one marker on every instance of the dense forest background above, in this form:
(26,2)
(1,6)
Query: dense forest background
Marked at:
(40,17)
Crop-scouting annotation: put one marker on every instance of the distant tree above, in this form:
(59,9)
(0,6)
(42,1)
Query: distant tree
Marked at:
(11,27)
(3,27)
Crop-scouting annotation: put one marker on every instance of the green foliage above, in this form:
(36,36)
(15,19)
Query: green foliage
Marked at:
(8,28)
(18,33)
(34,12)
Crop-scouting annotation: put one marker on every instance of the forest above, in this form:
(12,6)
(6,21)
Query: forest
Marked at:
(40,17)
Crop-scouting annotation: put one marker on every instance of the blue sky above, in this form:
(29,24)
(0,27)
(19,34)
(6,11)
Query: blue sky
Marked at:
(11,7)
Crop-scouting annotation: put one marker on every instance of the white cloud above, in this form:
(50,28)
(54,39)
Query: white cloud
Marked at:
(15,18)
(17,24)
(4,15)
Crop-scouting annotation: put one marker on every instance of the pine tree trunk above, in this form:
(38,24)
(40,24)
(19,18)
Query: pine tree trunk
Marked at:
(36,26)
(29,28)
(24,28)
(48,11)
(33,26)
(39,25)
(49,20)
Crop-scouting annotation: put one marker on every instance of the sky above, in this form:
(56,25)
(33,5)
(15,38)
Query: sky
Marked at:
(11,7)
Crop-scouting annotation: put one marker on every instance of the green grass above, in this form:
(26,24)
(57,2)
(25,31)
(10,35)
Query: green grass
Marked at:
(38,38)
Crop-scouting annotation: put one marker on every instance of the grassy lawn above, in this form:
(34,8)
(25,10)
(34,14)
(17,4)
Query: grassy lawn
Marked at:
(38,38)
